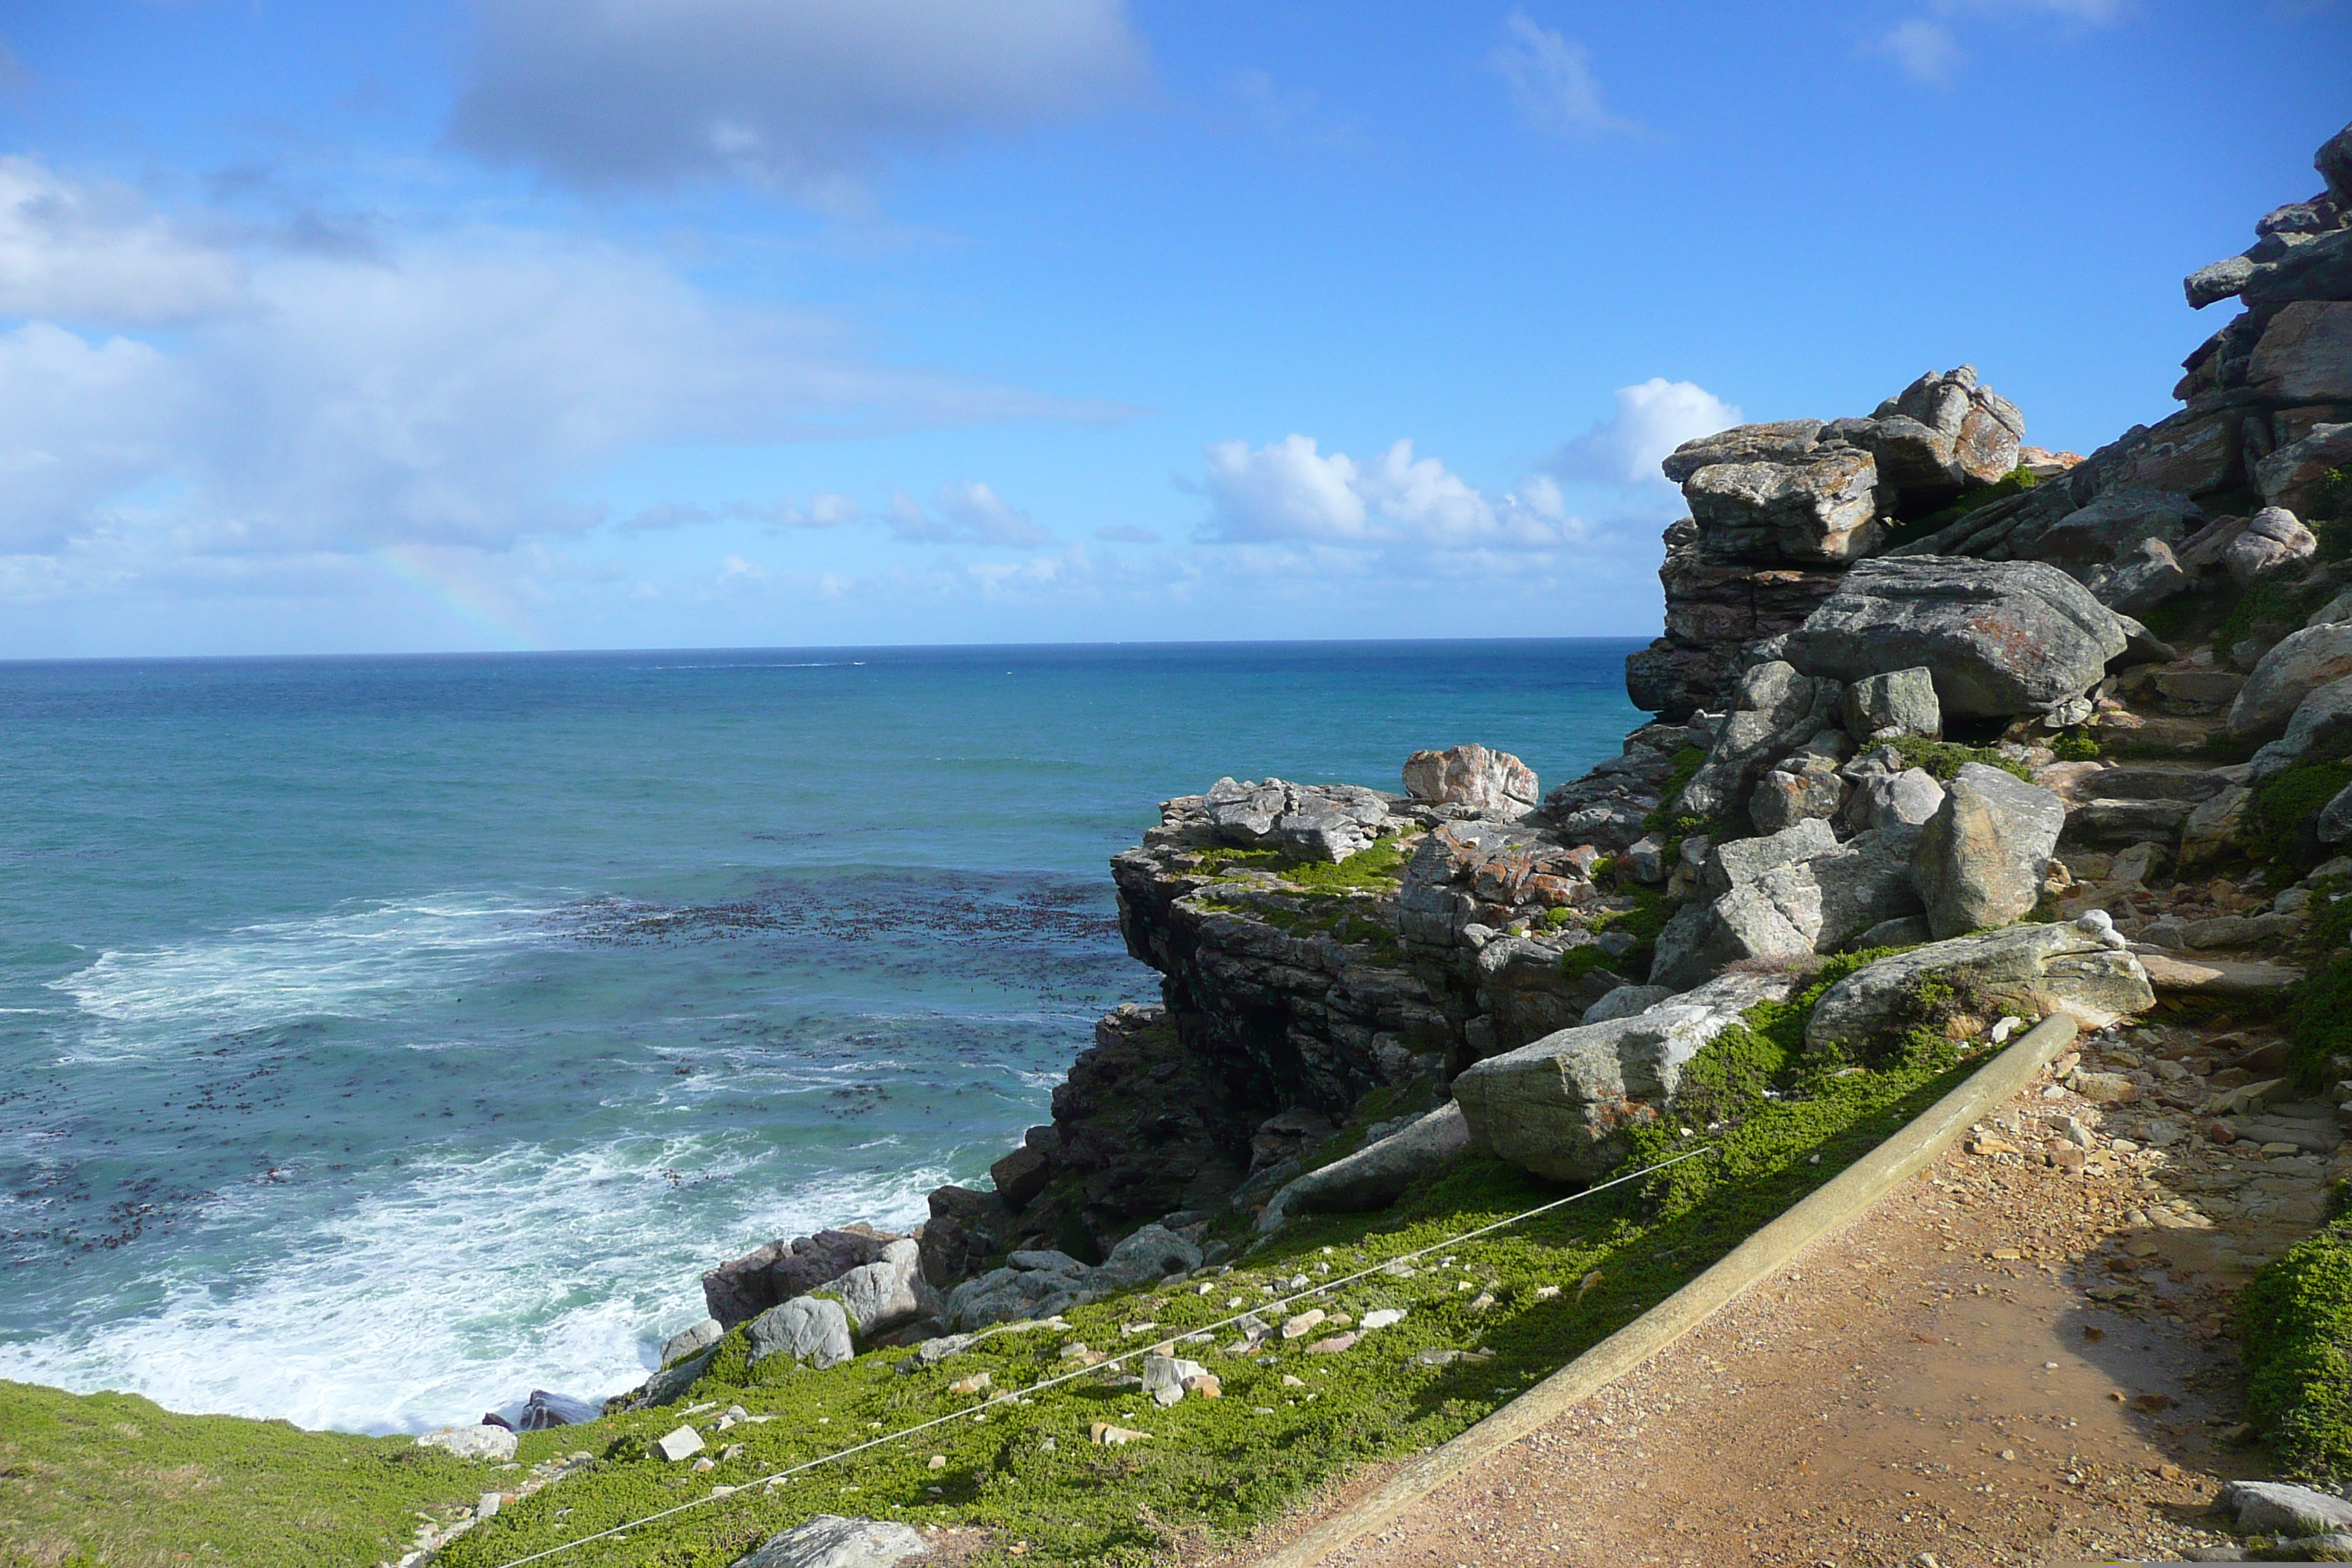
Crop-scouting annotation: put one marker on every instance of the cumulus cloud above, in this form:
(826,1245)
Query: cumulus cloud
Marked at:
(1652,419)
(1289,492)
(98,252)
(1550,80)
(444,396)
(803,96)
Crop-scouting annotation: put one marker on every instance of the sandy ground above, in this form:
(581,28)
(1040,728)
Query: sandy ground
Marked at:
(2007,1361)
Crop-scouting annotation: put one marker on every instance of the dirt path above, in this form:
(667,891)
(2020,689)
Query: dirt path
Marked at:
(2007,1361)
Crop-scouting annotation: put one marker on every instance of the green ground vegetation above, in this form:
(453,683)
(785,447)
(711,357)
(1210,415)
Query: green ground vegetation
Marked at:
(114,1479)
(1521,1301)
(2279,821)
(2295,1318)
(1943,759)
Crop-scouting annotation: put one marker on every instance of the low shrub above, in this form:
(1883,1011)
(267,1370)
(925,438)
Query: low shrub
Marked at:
(2295,1320)
(1943,759)
(2280,820)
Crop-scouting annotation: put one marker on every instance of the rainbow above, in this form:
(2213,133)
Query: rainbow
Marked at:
(438,576)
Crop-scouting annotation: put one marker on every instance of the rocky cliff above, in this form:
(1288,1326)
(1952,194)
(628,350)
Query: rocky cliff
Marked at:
(2056,733)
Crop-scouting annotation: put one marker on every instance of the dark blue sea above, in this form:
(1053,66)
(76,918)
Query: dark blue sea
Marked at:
(382,1038)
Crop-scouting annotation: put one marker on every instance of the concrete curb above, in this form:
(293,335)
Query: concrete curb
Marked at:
(1828,1209)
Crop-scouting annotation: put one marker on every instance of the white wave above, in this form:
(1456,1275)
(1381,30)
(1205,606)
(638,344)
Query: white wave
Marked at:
(472,1285)
(362,961)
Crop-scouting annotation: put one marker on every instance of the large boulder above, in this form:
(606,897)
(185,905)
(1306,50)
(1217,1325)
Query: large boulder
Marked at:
(889,1292)
(2296,476)
(2003,638)
(495,1445)
(1376,1175)
(1489,783)
(2108,528)
(1967,434)
(2301,663)
(1982,856)
(2305,353)
(829,1541)
(2336,817)
(2273,538)
(1786,441)
(1032,1285)
(2320,731)
(1815,901)
(1899,702)
(2026,969)
(1776,710)
(1314,822)
(1562,1106)
(1821,506)
(809,1329)
(1147,1257)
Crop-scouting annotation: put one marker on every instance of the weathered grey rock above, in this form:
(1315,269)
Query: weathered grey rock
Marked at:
(2335,824)
(2218,280)
(810,1328)
(2277,1508)
(2136,866)
(1908,931)
(2109,528)
(2001,637)
(1376,1175)
(1900,702)
(1975,430)
(1646,858)
(2320,731)
(2336,611)
(543,1411)
(494,1443)
(2305,353)
(1776,710)
(1909,798)
(2150,576)
(1145,1257)
(2302,662)
(1492,784)
(1164,1375)
(1983,857)
(2274,537)
(2295,475)
(1787,441)
(1007,1295)
(1562,1106)
(1315,822)
(1821,507)
(2025,969)
(829,1541)
(2211,829)
(1624,1002)
(685,1341)
(889,1292)
(1798,789)
(1786,913)
(1734,862)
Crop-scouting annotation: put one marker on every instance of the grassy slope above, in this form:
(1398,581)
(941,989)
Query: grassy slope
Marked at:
(112,1478)
(1223,1465)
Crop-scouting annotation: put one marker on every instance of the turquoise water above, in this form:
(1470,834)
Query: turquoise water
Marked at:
(380,1039)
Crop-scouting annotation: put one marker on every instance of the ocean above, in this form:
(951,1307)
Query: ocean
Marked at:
(382,1038)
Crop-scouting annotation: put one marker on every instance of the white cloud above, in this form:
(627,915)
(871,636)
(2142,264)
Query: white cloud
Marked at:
(801,96)
(1551,82)
(97,252)
(1925,51)
(448,395)
(1652,419)
(1288,491)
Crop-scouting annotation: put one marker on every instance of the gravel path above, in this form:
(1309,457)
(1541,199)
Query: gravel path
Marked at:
(2020,1356)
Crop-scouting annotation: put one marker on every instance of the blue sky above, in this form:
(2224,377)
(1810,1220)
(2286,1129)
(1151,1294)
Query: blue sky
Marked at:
(595,324)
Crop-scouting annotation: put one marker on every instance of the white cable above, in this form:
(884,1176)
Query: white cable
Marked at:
(1153,1349)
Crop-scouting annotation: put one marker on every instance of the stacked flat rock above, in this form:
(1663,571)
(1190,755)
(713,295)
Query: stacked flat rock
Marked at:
(2269,409)
(1779,510)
